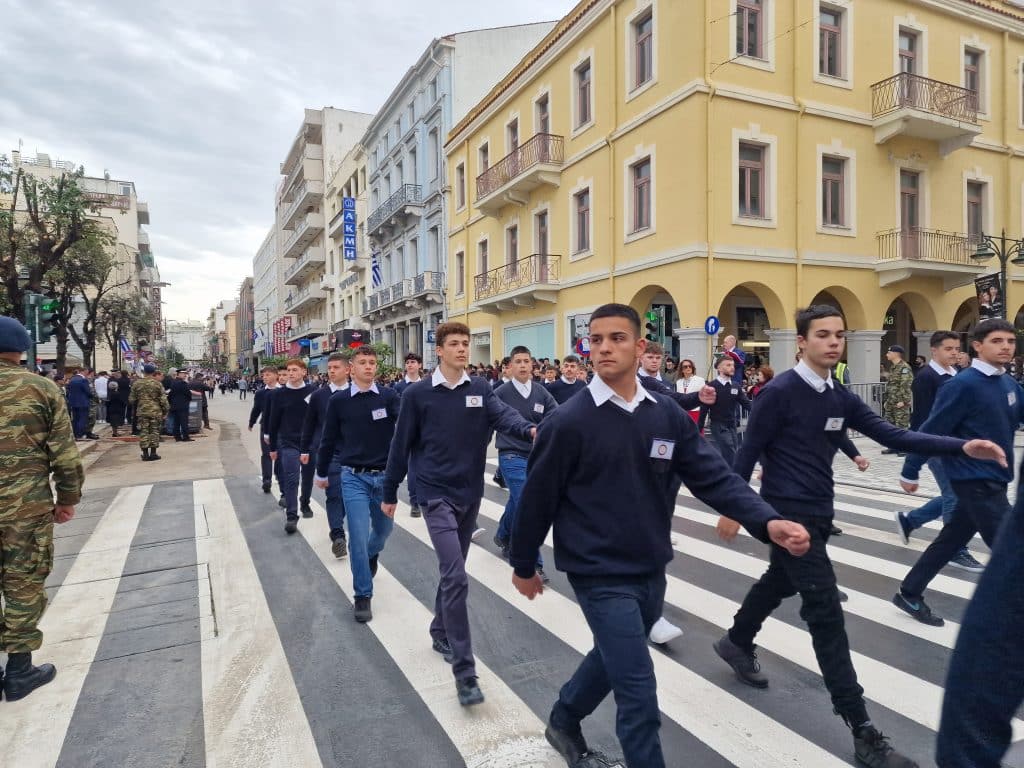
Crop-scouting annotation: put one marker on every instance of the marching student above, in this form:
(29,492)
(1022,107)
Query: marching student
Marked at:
(724,411)
(413,374)
(312,434)
(358,429)
(979,401)
(260,413)
(444,428)
(796,426)
(287,415)
(570,382)
(604,472)
(534,403)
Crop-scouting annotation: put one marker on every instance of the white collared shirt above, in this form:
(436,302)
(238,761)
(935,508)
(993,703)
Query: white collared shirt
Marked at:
(602,393)
(817,383)
(725,381)
(566,381)
(655,375)
(355,390)
(521,388)
(987,368)
(334,387)
(412,381)
(437,378)
(294,386)
(940,370)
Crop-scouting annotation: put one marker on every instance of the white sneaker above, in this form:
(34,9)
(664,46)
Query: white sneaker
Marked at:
(478,533)
(663,631)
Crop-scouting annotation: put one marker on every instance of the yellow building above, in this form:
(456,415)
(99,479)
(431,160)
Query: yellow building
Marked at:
(742,158)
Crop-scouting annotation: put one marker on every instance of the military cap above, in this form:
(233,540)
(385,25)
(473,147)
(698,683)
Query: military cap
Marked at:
(149,368)
(898,349)
(13,336)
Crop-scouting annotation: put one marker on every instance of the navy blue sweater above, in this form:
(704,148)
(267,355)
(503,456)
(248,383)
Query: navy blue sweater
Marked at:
(313,426)
(562,391)
(287,414)
(358,429)
(724,411)
(595,476)
(796,431)
(926,385)
(536,407)
(972,406)
(260,412)
(445,433)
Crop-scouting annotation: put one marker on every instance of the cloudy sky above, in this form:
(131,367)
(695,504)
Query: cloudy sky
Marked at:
(197,103)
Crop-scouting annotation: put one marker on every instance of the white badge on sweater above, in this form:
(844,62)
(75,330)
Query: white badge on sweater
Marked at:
(474,401)
(1011,398)
(734,391)
(538,408)
(834,424)
(379,413)
(308,397)
(662,449)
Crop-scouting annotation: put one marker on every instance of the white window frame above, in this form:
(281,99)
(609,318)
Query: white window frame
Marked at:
(845,7)
(643,7)
(485,142)
(911,24)
(574,253)
(584,57)
(640,153)
(513,222)
(849,226)
(987,214)
(545,90)
(984,90)
(514,117)
(485,240)
(460,272)
(919,167)
(460,186)
(767,62)
(544,207)
(753,135)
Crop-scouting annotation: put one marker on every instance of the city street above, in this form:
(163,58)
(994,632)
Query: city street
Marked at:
(189,630)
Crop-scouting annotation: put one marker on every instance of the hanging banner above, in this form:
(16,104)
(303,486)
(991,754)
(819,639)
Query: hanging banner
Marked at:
(990,296)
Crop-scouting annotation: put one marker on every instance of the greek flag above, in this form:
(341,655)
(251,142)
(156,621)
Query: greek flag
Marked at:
(125,346)
(376,277)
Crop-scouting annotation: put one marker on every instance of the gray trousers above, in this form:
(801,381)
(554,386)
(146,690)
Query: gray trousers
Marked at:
(726,440)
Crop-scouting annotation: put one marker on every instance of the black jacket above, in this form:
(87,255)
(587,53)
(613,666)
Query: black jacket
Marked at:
(180,395)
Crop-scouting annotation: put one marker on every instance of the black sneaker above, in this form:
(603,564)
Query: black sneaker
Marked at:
(469,692)
(843,597)
(339,547)
(570,744)
(918,609)
(415,511)
(499,480)
(902,527)
(499,542)
(442,646)
(874,750)
(744,664)
(362,610)
(306,510)
(836,530)
(543,576)
(965,561)
(266,487)
(373,564)
(282,503)
(291,526)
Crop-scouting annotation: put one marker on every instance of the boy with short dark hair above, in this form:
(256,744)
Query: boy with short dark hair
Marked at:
(288,414)
(570,382)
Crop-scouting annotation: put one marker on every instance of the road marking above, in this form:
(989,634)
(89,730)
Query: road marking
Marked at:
(252,713)
(73,625)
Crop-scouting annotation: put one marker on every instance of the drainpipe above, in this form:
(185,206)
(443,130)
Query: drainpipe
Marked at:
(709,190)
(613,248)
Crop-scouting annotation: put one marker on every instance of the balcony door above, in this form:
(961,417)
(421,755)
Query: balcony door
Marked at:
(512,252)
(910,214)
(512,131)
(541,228)
(908,86)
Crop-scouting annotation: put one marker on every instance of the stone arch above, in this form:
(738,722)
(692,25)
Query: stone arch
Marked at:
(966,316)
(919,306)
(845,301)
(769,299)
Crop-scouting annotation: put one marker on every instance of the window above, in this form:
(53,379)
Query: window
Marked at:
(749,28)
(972,76)
(460,185)
(751,180)
(399,264)
(412,167)
(484,157)
(412,113)
(542,108)
(512,246)
(908,51)
(584,114)
(581,202)
(512,135)
(830,42)
(400,173)
(434,151)
(975,208)
(433,90)
(833,173)
(460,273)
(413,257)
(126,190)
(643,45)
(641,195)
(481,256)
(433,249)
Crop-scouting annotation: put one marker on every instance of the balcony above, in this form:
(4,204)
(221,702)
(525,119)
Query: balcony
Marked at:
(305,199)
(143,242)
(310,261)
(308,330)
(520,283)
(328,283)
(511,179)
(304,233)
(310,167)
(407,201)
(413,293)
(305,299)
(917,252)
(143,212)
(310,133)
(919,107)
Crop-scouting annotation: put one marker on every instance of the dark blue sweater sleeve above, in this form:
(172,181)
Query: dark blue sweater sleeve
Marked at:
(686,401)
(868,423)
(330,438)
(257,408)
(847,447)
(504,418)
(406,432)
(275,425)
(765,415)
(310,422)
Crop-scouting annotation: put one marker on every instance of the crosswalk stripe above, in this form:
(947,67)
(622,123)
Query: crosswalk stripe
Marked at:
(501,730)
(741,734)
(73,625)
(252,713)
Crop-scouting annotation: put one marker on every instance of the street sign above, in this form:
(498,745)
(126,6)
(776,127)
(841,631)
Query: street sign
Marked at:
(583,347)
(712,325)
(348,232)
(431,336)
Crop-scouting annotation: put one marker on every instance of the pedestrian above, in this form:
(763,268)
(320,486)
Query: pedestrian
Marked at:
(100,384)
(688,382)
(94,406)
(724,412)
(650,360)
(79,396)
(982,400)
(619,447)
(945,348)
(570,382)
(413,374)
(243,388)
(260,414)
(149,401)
(358,430)
(117,404)
(671,372)
(738,357)
(179,396)
(312,434)
(287,415)
(36,442)
(444,428)
(796,426)
(898,390)
(199,386)
(764,375)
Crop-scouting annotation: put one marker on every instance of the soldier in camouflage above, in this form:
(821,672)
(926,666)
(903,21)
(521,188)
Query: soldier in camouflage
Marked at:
(94,405)
(35,441)
(150,403)
(897,403)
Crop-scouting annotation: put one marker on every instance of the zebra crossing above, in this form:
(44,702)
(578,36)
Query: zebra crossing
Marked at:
(189,630)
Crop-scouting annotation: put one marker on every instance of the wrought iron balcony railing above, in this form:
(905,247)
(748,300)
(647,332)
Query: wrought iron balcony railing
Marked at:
(427,281)
(535,269)
(406,194)
(542,148)
(923,93)
(917,244)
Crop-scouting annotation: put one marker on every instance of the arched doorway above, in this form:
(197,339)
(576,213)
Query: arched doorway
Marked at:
(748,312)
(656,306)
(846,302)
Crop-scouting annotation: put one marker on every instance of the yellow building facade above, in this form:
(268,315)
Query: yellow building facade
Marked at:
(740,159)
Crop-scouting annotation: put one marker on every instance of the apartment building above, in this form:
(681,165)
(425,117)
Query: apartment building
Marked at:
(407,225)
(189,338)
(740,164)
(348,259)
(266,270)
(246,325)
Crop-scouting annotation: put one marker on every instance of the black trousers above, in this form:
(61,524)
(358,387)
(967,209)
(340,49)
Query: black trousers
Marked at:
(814,579)
(181,422)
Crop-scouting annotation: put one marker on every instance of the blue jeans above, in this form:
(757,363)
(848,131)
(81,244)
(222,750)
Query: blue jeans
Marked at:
(985,685)
(939,506)
(620,616)
(513,469)
(335,501)
(368,527)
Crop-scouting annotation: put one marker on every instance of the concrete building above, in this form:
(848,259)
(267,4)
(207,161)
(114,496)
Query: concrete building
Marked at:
(348,255)
(246,325)
(265,269)
(189,338)
(220,333)
(407,225)
(695,169)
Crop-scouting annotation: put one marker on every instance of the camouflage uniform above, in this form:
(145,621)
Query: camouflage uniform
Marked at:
(94,406)
(897,390)
(35,441)
(150,402)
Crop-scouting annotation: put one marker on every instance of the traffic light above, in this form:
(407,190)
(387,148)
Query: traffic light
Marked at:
(44,319)
(653,326)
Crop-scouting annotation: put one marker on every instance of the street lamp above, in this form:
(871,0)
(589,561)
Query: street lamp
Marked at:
(1005,250)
